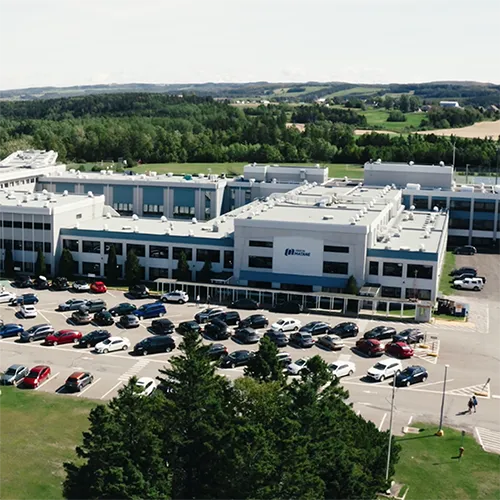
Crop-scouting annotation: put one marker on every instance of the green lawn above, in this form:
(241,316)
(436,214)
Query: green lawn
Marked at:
(428,465)
(378,118)
(231,169)
(448,265)
(39,432)
(354,91)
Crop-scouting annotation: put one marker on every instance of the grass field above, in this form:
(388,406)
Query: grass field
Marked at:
(283,92)
(230,169)
(429,466)
(355,91)
(378,118)
(448,265)
(39,433)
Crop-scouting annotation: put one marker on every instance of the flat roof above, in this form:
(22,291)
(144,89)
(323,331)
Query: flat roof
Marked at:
(30,158)
(387,166)
(27,201)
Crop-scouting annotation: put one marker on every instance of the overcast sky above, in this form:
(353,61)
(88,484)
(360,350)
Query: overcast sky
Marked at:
(72,42)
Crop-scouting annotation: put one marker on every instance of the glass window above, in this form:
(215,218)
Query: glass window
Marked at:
(418,293)
(392,269)
(458,223)
(248,196)
(419,272)
(139,250)
(28,246)
(157,272)
(18,245)
(119,267)
(91,268)
(71,245)
(335,267)
(118,247)
(263,244)
(47,247)
(38,246)
(203,254)
(38,225)
(438,202)
(158,252)
(47,226)
(391,291)
(178,250)
(7,223)
(456,204)
(483,225)
(91,246)
(228,259)
(184,212)
(260,262)
(28,225)
(335,249)
(373,268)
(421,203)
(484,206)
(18,224)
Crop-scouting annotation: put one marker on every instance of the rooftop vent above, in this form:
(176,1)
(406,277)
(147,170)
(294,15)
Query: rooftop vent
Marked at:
(44,191)
(405,248)
(77,226)
(163,218)
(170,174)
(65,192)
(105,228)
(46,204)
(388,247)
(108,215)
(126,228)
(328,217)
(421,248)
(19,203)
(191,232)
(194,221)
(441,163)
(352,221)
(90,194)
(135,217)
(223,219)
(136,229)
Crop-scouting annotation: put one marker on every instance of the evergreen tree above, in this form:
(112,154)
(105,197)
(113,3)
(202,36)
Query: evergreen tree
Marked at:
(183,273)
(113,273)
(132,268)
(265,366)
(40,267)
(352,286)
(8,263)
(66,264)
(206,272)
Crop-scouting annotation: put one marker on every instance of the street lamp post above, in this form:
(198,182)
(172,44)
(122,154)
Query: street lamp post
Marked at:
(389,448)
(440,430)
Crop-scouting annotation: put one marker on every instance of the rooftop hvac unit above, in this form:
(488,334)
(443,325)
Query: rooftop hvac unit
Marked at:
(191,232)
(223,219)
(441,163)
(72,170)
(136,229)
(404,248)
(126,228)
(170,174)
(25,198)
(328,217)
(19,203)
(215,228)
(201,176)
(411,216)
(167,231)
(46,204)
(388,247)
(352,221)
(90,194)
(142,176)
(77,226)
(412,208)
(163,218)
(108,215)
(411,163)
(436,209)
(421,248)
(135,217)
(153,174)
(44,191)
(346,179)
(274,181)
(65,192)
(397,235)
(105,228)
(378,160)
(194,221)
(109,172)
(103,172)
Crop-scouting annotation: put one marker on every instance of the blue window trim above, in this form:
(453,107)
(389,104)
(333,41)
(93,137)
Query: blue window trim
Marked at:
(401,255)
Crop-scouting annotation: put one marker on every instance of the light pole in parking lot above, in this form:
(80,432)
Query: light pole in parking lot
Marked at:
(389,447)
(440,430)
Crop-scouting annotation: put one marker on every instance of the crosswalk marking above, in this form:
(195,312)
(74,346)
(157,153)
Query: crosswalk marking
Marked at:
(471,390)
(133,370)
(489,440)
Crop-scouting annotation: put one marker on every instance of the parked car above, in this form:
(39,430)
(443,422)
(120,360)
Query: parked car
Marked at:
(150,345)
(385,368)
(475,284)
(246,336)
(216,351)
(346,329)
(341,369)
(410,336)
(138,291)
(464,270)
(248,304)
(129,321)
(276,337)
(399,350)
(41,283)
(80,286)
(208,314)
(146,386)
(36,376)
(465,250)
(236,358)
(6,297)
(301,339)
(122,309)
(380,333)
(288,307)
(411,375)
(72,305)
(98,287)
(297,367)
(229,317)
(330,342)
(60,284)
(95,305)
(37,332)
(93,338)
(14,374)
(153,310)
(63,337)
(188,326)
(463,276)
(112,344)
(284,359)
(254,321)
(77,381)
(287,325)
(162,326)
(177,296)
(316,328)
(103,318)
(217,330)
(23,282)
(81,317)
(25,299)
(370,347)
(28,312)
(11,330)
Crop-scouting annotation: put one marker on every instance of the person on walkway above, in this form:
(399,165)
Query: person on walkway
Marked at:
(3,289)
(208,300)
(474,403)
(197,301)
(470,405)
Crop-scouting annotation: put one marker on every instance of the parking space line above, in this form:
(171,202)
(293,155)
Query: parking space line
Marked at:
(382,422)
(111,390)
(440,382)
(43,316)
(88,387)
(409,421)
(48,380)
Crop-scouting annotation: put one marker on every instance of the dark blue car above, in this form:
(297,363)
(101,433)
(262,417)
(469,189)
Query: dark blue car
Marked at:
(25,299)
(10,330)
(154,310)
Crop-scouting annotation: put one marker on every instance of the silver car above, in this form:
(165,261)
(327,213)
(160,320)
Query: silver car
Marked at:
(14,374)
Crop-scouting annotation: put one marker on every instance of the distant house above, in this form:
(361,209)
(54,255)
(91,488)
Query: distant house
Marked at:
(321,100)
(449,104)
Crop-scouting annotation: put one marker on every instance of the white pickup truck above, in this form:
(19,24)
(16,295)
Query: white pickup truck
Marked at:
(469,284)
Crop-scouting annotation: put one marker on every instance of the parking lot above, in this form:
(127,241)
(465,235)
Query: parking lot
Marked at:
(470,359)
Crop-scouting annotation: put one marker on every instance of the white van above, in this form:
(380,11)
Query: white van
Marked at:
(469,284)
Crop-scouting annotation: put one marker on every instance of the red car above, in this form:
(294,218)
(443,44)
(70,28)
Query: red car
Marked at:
(399,350)
(63,337)
(98,287)
(37,375)
(370,347)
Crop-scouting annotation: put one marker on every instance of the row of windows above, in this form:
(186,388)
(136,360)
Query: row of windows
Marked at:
(124,208)
(335,249)
(256,261)
(394,292)
(422,203)
(27,246)
(17,183)
(395,269)
(17,224)
(478,225)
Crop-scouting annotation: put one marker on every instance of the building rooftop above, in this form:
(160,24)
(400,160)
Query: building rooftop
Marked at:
(26,201)
(30,158)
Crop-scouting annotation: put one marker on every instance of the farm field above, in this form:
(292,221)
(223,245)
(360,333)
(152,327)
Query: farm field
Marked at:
(378,118)
(480,130)
(355,91)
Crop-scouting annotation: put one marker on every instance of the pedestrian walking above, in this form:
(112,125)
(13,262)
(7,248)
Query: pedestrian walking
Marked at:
(197,301)
(3,289)
(208,300)
(474,403)
(470,405)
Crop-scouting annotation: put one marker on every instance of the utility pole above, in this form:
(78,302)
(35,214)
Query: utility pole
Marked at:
(454,148)
(389,447)
(440,430)
(496,172)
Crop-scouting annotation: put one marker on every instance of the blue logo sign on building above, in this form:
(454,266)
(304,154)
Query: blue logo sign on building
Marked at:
(296,251)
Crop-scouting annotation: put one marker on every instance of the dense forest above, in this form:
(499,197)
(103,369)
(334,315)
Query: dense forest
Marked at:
(162,128)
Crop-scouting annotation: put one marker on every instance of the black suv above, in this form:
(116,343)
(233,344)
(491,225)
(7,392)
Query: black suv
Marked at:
(123,309)
(410,336)
(217,330)
(245,304)
(254,321)
(37,332)
(23,282)
(380,333)
(188,326)
(316,328)
(288,307)
(104,318)
(138,291)
(216,351)
(278,338)
(162,326)
(301,339)
(236,358)
(246,336)
(95,305)
(343,330)
(230,317)
(93,338)
(150,345)
(60,284)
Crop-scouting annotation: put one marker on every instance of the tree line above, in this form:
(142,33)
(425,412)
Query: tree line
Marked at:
(201,436)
